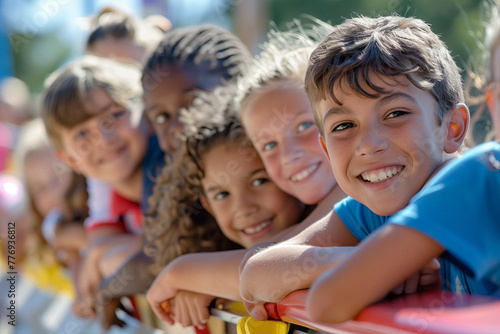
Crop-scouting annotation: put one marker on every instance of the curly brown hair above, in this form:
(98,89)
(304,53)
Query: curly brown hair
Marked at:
(176,222)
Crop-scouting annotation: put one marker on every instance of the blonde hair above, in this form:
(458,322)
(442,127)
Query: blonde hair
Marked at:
(68,88)
(284,57)
(176,222)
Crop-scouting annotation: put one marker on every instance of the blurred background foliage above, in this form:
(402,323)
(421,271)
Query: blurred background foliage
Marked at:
(456,21)
(37,52)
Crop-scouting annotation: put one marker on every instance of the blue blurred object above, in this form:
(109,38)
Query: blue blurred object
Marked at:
(5,50)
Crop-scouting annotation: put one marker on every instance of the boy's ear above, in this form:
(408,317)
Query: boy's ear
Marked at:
(67,159)
(323,146)
(206,205)
(458,125)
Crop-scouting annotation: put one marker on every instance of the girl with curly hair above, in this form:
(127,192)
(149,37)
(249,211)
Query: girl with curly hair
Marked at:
(217,180)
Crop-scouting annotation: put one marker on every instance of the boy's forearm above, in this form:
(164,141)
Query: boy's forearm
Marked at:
(385,259)
(277,271)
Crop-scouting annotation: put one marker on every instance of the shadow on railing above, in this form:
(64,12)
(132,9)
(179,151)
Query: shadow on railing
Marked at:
(434,312)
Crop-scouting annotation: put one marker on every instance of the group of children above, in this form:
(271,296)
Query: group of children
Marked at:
(212,174)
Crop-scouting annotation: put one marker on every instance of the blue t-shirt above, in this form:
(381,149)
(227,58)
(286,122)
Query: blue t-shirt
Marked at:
(358,219)
(466,189)
(460,209)
(153,163)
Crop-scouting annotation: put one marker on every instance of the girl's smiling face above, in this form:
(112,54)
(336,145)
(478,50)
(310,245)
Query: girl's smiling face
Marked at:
(247,205)
(280,123)
(109,146)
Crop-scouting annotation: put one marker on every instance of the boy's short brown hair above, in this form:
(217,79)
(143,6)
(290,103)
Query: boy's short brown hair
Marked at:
(383,46)
(68,88)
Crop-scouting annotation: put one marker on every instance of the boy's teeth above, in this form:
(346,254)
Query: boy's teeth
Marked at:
(305,173)
(258,228)
(381,175)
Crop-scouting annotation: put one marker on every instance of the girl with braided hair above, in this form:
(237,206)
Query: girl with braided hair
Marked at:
(188,60)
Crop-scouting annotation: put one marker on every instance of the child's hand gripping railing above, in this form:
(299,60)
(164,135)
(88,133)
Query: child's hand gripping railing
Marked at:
(434,312)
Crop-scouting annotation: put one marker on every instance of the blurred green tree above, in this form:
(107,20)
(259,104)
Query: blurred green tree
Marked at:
(457,21)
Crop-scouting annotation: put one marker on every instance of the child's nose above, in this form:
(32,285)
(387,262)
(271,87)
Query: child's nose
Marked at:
(174,138)
(290,151)
(245,205)
(107,135)
(372,141)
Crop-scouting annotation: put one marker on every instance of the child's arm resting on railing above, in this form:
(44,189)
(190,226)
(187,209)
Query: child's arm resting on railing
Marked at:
(271,274)
(388,257)
(190,308)
(214,273)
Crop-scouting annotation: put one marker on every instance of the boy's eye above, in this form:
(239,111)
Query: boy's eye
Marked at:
(396,113)
(304,126)
(343,126)
(162,118)
(259,181)
(269,146)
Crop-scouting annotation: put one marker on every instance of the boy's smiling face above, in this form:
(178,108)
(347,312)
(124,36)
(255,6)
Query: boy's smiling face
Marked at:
(107,146)
(382,150)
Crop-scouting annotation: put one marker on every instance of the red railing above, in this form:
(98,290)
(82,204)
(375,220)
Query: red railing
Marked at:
(430,313)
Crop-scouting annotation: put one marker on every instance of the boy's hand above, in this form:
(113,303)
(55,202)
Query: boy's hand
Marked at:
(191,309)
(428,278)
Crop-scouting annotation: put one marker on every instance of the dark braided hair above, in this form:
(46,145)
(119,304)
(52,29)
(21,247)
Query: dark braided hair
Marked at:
(211,49)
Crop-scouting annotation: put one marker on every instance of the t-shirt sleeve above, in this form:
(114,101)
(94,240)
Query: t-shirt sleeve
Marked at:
(460,209)
(100,206)
(358,219)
